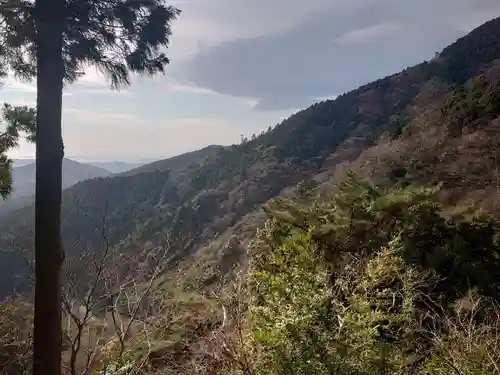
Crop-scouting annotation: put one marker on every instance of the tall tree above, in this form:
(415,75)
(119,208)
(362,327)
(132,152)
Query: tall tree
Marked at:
(57,40)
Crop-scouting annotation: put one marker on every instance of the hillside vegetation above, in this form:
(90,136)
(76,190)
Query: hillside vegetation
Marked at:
(391,270)
(373,281)
(398,123)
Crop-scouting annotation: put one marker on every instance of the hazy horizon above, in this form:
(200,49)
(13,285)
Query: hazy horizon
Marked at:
(114,164)
(87,159)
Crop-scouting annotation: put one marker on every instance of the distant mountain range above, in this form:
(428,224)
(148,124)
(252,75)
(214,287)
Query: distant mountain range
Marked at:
(23,176)
(111,166)
(23,173)
(115,166)
(20,162)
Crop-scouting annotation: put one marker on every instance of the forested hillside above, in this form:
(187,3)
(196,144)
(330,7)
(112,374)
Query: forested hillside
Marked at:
(343,276)
(454,97)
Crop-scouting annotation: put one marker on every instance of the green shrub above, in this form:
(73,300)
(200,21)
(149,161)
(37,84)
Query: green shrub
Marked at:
(363,283)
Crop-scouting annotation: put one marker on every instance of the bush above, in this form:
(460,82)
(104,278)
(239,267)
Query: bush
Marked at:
(364,284)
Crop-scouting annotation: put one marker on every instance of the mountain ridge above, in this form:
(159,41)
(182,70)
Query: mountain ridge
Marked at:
(397,127)
(177,162)
(24,181)
(115,166)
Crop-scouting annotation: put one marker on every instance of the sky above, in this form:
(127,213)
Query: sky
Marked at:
(240,66)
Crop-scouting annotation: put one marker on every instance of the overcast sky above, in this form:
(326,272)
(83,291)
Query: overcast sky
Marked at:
(239,66)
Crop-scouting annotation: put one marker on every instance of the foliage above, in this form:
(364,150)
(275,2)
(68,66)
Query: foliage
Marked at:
(356,285)
(461,60)
(209,192)
(55,41)
(19,120)
(16,321)
(119,37)
(472,105)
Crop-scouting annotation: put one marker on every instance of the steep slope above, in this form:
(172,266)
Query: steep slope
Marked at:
(407,126)
(24,182)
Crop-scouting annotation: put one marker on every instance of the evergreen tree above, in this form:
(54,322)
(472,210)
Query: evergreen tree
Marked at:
(55,40)
(18,120)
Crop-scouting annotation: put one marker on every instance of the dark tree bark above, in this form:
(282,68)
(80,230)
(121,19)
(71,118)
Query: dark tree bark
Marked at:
(49,254)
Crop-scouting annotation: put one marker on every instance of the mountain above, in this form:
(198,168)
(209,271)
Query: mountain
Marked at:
(393,269)
(24,181)
(115,166)
(73,172)
(21,162)
(434,122)
(175,162)
(179,162)
(111,166)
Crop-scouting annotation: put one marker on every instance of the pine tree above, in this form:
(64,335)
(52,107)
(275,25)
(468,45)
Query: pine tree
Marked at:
(55,40)
(18,121)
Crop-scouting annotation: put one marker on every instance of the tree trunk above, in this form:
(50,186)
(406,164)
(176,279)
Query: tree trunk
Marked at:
(49,254)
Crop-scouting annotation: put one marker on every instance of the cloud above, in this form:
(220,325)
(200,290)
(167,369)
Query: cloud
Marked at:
(92,83)
(196,90)
(134,137)
(125,136)
(79,130)
(330,49)
(205,23)
(79,116)
(191,89)
(93,78)
(369,34)
(24,88)
(13,84)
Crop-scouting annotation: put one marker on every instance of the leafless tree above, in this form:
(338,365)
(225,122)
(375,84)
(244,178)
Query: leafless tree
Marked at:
(106,299)
(228,342)
(104,302)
